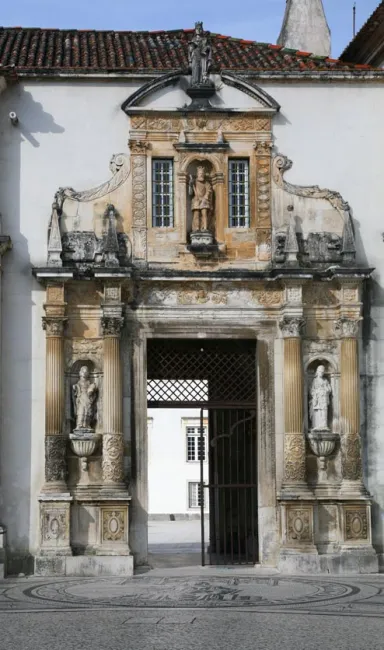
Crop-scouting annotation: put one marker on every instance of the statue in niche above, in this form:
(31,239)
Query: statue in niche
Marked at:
(84,400)
(201,191)
(320,399)
(200,56)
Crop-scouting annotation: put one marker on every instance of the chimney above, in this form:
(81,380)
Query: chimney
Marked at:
(305,27)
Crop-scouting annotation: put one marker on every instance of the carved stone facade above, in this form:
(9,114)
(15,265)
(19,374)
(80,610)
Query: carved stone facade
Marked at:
(116,279)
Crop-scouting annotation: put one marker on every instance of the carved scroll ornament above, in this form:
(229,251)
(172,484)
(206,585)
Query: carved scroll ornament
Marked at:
(120,168)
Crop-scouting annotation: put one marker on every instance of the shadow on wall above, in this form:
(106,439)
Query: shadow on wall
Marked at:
(20,455)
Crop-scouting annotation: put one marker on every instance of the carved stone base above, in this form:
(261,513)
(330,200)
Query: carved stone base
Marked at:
(100,527)
(297,527)
(201,238)
(55,525)
(343,563)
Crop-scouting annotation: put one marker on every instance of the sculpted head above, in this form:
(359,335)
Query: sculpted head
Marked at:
(320,371)
(84,372)
(201,173)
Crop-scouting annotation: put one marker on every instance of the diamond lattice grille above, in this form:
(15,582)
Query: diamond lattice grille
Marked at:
(192,371)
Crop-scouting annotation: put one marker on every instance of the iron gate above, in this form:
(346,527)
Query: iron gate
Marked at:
(218,377)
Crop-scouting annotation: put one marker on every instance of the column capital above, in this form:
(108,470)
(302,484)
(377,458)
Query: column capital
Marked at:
(112,325)
(347,328)
(54,325)
(138,147)
(291,326)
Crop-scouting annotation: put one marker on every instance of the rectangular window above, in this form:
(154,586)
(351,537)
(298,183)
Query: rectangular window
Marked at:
(162,192)
(194,444)
(238,188)
(194,495)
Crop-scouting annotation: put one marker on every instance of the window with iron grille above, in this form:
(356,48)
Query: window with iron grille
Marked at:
(194,495)
(194,443)
(162,192)
(238,188)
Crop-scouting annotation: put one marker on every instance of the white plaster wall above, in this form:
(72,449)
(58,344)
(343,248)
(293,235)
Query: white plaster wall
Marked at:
(66,135)
(333,133)
(168,471)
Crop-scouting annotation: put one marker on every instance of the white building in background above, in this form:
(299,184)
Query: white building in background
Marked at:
(174,463)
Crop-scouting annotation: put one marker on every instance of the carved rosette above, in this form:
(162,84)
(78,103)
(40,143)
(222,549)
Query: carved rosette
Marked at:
(55,459)
(294,458)
(291,326)
(113,458)
(112,325)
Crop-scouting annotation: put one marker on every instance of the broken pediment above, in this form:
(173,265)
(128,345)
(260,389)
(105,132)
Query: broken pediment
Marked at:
(319,218)
(227,92)
(86,227)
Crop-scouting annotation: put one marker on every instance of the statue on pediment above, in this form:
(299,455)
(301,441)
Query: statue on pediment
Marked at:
(200,56)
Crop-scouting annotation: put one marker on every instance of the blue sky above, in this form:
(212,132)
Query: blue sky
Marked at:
(250,19)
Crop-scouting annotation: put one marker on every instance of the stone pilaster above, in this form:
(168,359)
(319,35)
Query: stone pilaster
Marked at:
(139,199)
(55,441)
(113,445)
(294,440)
(348,329)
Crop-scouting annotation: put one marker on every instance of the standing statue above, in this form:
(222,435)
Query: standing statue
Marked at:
(84,400)
(320,397)
(200,56)
(200,188)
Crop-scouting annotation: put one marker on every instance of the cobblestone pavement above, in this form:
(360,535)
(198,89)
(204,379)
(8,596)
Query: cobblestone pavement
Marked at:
(196,608)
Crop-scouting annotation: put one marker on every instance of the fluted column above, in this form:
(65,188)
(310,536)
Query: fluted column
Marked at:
(113,446)
(55,440)
(350,404)
(294,440)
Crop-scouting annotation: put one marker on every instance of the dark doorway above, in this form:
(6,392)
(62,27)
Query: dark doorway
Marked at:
(218,377)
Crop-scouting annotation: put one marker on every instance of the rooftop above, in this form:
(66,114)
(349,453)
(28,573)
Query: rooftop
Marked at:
(45,51)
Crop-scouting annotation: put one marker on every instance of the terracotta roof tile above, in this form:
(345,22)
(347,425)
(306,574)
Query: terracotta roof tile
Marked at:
(48,50)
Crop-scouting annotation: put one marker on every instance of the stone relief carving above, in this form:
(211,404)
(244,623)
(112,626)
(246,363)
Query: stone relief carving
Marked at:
(139,190)
(55,460)
(113,453)
(291,326)
(321,347)
(351,457)
(84,401)
(320,393)
(263,184)
(203,122)
(201,295)
(356,524)
(294,458)
(294,295)
(111,244)
(299,525)
(350,294)
(114,525)
(200,56)
(54,525)
(267,298)
(119,166)
(76,349)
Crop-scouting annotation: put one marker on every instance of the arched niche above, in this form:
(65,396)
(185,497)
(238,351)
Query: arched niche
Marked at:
(192,171)
(71,378)
(215,164)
